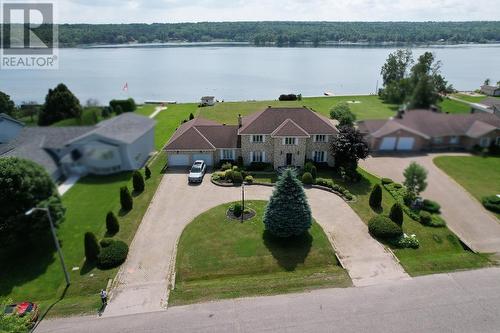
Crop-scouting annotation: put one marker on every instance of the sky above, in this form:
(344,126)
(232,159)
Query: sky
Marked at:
(170,11)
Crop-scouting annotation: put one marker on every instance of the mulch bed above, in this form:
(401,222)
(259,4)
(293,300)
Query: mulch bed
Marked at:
(250,213)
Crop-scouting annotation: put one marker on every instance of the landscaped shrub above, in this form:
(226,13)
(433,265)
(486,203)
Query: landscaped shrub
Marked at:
(398,185)
(288,97)
(437,221)
(307,178)
(228,175)
(237,177)
(91,245)
(324,182)
(382,227)
(348,195)
(105,242)
(431,206)
(237,209)
(396,214)
(226,166)
(138,181)
(425,218)
(249,179)
(376,196)
(126,105)
(236,168)
(314,172)
(407,242)
(308,166)
(492,203)
(216,177)
(112,225)
(260,166)
(126,200)
(112,255)
(386,181)
(240,161)
(147,172)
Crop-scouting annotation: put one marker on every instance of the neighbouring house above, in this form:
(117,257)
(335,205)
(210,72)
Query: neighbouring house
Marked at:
(417,130)
(490,90)
(279,136)
(118,144)
(207,101)
(489,105)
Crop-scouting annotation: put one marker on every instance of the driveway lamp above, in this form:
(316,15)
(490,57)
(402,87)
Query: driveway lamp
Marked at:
(56,241)
(242,201)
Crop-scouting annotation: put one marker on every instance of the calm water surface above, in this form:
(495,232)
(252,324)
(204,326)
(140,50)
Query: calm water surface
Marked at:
(235,73)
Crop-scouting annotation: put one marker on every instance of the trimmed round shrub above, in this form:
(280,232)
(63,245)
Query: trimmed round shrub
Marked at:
(138,181)
(112,225)
(431,206)
(382,227)
(105,242)
(113,255)
(314,172)
(386,181)
(492,203)
(376,196)
(226,166)
(237,209)
(425,218)
(249,179)
(229,175)
(237,177)
(235,168)
(396,214)
(126,200)
(307,178)
(92,248)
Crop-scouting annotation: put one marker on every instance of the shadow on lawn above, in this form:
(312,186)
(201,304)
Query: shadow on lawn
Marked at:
(22,264)
(289,252)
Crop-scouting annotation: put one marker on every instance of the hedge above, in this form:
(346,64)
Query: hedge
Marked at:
(492,203)
(431,206)
(126,105)
(113,255)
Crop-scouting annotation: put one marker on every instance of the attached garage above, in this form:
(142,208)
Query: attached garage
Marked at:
(178,160)
(405,143)
(207,158)
(388,143)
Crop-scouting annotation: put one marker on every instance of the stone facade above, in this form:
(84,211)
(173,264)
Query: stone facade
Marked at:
(313,146)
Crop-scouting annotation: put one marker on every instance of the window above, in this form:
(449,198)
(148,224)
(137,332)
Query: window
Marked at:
(319,156)
(320,138)
(257,138)
(438,140)
(497,141)
(258,156)
(484,142)
(454,140)
(227,154)
(290,141)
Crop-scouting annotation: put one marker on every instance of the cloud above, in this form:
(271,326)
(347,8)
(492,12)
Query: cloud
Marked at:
(149,11)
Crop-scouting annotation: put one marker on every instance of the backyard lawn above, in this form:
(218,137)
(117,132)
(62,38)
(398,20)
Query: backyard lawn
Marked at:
(365,107)
(480,176)
(471,99)
(452,106)
(168,120)
(36,274)
(220,258)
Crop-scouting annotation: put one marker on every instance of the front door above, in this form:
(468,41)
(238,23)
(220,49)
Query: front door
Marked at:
(289,158)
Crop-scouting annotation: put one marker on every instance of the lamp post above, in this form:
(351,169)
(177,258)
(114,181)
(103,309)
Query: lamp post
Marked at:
(242,201)
(56,241)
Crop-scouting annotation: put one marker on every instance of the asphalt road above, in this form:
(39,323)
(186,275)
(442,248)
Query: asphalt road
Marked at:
(457,302)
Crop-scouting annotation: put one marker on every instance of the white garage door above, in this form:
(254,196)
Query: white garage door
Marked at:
(207,158)
(178,160)
(388,143)
(405,143)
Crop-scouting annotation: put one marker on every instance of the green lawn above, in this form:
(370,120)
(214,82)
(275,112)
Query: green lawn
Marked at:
(220,258)
(468,98)
(480,176)
(452,106)
(170,119)
(146,109)
(36,274)
(90,117)
(369,107)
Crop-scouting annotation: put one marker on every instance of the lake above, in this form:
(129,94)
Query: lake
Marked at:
(235,72)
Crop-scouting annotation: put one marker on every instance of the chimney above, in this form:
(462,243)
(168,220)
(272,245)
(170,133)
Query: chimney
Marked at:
(239,121)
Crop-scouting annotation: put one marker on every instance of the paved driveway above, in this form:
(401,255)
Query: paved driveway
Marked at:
(465,216)
(141,284)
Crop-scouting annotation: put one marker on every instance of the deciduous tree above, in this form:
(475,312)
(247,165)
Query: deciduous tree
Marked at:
(60,103)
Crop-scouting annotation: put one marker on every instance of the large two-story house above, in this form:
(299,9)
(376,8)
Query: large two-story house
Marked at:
(279,136)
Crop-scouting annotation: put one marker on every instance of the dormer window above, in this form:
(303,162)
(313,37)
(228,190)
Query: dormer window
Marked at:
(290,141)
(257,138)
(320,138)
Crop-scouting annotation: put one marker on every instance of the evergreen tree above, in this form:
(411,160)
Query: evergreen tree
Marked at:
(60,103)
(415,178)
(376,196)
(138,181)
(126,200)
(92,247)
(112,225)
(396,214)
(191,116)
(147,172)
(288,212)
(314,172)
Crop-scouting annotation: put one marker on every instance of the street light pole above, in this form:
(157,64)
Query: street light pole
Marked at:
(242,201)
(56,241)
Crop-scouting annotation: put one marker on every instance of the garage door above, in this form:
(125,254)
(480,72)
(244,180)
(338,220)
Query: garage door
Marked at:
(388,143)
(178,160)
(207,158)
(406,143)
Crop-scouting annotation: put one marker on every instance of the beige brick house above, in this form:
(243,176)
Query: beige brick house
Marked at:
(279,136)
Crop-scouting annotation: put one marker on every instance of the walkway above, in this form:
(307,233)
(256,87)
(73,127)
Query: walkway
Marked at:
(464,215)
(141,284)
(158,109)
(68,183)
(457,302)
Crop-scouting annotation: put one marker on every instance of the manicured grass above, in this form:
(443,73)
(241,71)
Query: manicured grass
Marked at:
(480,176)
(90,116)
(169,120)
(219,258)
(36,274)
(468,98)
(452,106)
(146,109)
(370,107)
